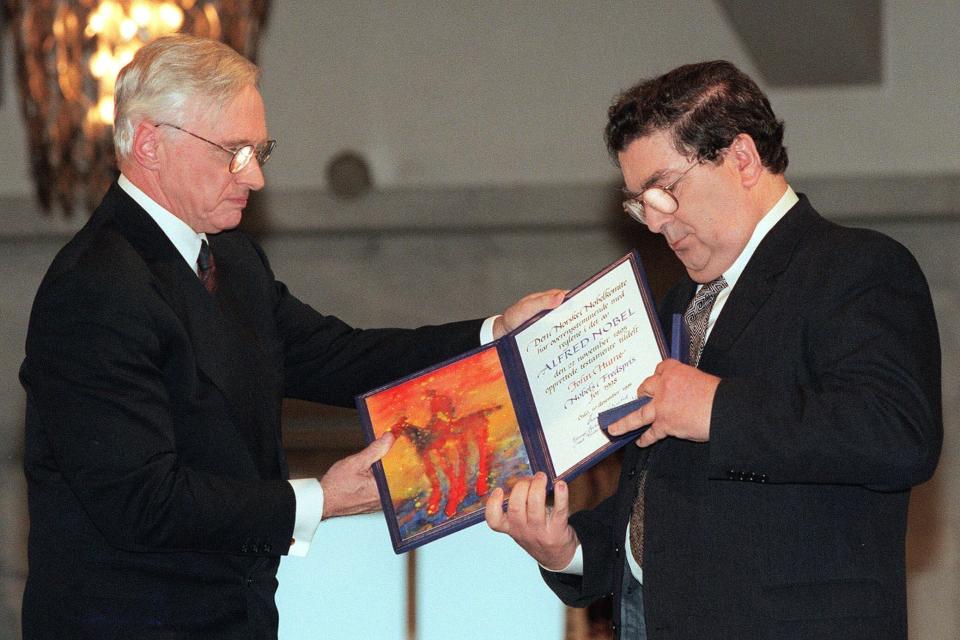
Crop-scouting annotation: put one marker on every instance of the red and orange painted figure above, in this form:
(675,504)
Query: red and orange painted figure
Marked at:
(443,446)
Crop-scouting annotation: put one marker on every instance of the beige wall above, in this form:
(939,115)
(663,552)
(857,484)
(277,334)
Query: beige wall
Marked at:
(495,92)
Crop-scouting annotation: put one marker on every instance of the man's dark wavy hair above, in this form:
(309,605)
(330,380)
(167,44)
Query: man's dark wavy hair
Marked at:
(702,107)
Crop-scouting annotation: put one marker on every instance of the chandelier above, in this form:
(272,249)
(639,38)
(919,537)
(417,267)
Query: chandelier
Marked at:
(68,54)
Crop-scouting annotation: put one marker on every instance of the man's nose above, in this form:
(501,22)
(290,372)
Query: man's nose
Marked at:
(251,176)
(655,219)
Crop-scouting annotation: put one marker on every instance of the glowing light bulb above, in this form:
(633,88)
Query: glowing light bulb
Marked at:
(100,63)
(105,109)
(171,15)
(141,13)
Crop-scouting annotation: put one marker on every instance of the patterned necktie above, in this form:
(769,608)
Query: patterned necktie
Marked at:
(695,318)
(636,519)
(698,314)
(207,267)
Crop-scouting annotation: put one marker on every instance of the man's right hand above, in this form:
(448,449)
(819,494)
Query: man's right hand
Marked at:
(542,531)
(349,487)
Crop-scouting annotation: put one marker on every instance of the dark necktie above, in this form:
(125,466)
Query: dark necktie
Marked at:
(207,267)
(696,319)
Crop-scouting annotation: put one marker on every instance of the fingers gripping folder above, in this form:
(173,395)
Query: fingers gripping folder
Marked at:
(679,340)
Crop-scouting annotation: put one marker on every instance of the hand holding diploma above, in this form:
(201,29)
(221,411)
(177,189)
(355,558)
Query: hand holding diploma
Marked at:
(541,531)
(349,487)
(524,309)
(681,402)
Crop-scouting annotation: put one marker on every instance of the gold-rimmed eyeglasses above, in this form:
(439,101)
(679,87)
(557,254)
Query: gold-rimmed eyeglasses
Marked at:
(659,197)
(241,156)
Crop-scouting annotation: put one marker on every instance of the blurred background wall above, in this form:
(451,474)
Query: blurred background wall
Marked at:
(480,124)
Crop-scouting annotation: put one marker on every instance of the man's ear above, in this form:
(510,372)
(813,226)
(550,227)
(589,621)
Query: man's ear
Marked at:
(146,145)
(743,152)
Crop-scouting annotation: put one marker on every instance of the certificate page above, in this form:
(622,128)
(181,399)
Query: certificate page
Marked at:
(587,355)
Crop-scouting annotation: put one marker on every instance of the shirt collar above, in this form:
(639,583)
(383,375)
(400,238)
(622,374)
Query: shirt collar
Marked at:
(185,239)
(766,223)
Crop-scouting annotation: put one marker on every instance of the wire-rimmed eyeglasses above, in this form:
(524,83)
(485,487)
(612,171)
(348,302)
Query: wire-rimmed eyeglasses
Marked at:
(241,156)
(658,197)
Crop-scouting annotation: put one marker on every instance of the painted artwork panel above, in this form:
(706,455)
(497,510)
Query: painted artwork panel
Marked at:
(457,439)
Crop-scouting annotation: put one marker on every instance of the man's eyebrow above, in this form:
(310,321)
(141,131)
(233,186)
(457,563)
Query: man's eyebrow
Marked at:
(654,179)
(236,143)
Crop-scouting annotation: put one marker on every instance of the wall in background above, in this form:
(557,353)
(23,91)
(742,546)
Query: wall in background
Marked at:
(505,93)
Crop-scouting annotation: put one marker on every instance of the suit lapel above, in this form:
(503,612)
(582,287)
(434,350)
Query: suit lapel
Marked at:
(758,279)
(261,374)
(221,354)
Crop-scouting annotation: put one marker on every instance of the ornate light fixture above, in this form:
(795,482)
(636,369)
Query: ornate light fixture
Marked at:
(68,54)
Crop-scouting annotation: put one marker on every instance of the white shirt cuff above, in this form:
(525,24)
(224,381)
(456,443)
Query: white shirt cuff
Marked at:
(575,566)
(486,330)
(309,496)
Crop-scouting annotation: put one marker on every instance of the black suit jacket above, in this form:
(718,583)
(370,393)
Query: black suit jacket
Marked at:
(155,467)
(790,521)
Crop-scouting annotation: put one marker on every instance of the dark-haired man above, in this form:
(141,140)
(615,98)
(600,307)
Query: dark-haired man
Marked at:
(769,497)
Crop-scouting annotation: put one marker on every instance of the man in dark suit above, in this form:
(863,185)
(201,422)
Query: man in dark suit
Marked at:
(768,499)
(159,348)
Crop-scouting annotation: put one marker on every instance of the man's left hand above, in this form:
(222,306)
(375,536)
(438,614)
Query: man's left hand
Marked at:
(680,405)
(524,309)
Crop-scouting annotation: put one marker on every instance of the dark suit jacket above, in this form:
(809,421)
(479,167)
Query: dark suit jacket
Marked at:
(790,521)
(155,468)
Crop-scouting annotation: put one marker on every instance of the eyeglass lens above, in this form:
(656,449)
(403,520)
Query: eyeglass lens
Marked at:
(656,197)
(243,155)
(660,199)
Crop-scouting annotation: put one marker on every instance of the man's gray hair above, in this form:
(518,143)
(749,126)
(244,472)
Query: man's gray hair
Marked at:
(167,73)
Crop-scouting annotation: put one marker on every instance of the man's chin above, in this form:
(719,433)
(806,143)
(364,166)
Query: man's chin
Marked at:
(229,220)
(697,271)
(702,276)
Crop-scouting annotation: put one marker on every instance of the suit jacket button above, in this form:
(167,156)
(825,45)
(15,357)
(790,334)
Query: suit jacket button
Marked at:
(244,549)
(267,547)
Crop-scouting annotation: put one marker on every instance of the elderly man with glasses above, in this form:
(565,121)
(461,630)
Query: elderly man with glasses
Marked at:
(768,498)
(160,346)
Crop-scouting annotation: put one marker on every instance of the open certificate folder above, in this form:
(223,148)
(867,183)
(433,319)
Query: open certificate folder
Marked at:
(525,403)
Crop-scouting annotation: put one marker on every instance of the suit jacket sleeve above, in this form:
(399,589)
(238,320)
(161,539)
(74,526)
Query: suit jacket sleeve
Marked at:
(600,539)
(326,360)
(602,533)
